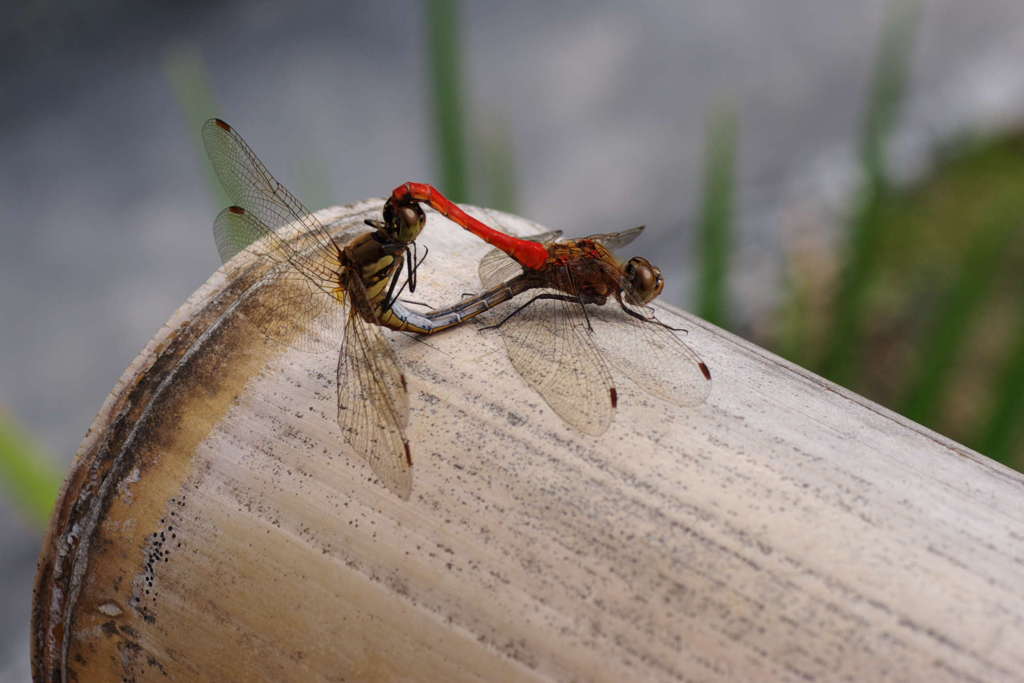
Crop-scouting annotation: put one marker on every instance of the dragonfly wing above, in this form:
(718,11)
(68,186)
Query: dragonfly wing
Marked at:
(249,184)
(373,402)
(235,229)
(296,313)
(299,308)
(551,347)
(497,267)
(650,354)
(617,240)
(544,237)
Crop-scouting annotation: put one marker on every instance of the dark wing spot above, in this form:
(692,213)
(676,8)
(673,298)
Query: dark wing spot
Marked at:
(704,369)
(236,209)
(222,124)
(408,455)
(405,388)
(615,397)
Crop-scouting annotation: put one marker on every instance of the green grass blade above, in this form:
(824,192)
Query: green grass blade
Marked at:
(26,473)
(448,100)
(1002,429)
(190,83)
(716,216)
(794,329)
(888,85)
(888,91)
(946,338)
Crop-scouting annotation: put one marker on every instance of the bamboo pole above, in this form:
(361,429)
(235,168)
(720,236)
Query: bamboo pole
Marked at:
(214,526)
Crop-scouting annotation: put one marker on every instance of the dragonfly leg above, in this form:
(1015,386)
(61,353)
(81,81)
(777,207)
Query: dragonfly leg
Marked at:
(575,288)
(653,320)
(556,297)
(586,316)
(392,295)
(417,303)
(414,261)
(410,259)
(669,327)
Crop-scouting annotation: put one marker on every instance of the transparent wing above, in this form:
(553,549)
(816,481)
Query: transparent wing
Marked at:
(304,310)
(299,307)
(617,240)
(544,237)
(373,403)
(296,314)
(235,228)
(551,348)
(496,266)
(650,354)
(249,184)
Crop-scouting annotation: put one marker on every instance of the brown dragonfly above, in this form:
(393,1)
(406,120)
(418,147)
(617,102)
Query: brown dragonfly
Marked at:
(564,348)
(329,293)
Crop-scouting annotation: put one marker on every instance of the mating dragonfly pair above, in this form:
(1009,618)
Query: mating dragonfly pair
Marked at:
(328,293)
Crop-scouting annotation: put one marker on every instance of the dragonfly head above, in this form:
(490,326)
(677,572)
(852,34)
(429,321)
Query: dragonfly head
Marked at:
(643,281)
(403,221)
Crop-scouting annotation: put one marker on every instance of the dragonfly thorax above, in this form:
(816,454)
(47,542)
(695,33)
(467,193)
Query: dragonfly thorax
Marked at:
(588,295)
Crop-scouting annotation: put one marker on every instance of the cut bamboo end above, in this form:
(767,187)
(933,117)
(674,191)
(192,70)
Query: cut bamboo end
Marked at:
(215,526)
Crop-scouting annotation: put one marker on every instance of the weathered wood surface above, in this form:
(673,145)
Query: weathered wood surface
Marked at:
(215,527)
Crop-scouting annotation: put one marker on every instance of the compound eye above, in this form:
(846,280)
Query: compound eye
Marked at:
(644,280)
(403,222)
(410,217)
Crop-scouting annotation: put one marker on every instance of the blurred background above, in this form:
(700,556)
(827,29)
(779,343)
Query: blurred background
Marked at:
(839,182)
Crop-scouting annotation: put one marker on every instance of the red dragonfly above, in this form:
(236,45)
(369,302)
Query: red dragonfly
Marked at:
(563,348)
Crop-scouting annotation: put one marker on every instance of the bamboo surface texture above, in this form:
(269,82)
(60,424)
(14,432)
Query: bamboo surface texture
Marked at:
(216,527)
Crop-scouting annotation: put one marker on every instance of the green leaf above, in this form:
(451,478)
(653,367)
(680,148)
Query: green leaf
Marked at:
(716,217)
(942,343)
(445,55)
(27,474)
(888,91)
(1006,415)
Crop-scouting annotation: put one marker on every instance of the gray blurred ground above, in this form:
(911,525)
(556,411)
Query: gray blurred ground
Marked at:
(105,213)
